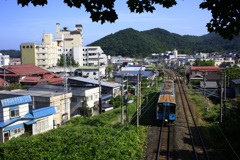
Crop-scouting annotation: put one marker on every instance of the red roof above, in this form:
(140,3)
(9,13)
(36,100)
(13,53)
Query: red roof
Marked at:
(16,59)
(2,82)
(56,80)
(25,69)
(207,68)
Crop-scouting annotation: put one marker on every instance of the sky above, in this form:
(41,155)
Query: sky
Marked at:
(27,24)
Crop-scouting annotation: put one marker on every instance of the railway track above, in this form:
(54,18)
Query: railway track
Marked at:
(198,146)
(165,141)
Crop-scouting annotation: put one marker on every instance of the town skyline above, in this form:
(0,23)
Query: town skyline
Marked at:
(27,24)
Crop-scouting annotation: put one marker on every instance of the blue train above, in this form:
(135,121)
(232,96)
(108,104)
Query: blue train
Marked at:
(166,105)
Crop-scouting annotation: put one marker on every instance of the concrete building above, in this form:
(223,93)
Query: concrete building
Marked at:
(43,55)
(70,38)
(41,99)
(79,94)
(4,60)
(48,53)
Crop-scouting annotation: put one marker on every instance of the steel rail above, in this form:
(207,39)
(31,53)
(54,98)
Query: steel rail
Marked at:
(189,129)
(160,138)
(199,134)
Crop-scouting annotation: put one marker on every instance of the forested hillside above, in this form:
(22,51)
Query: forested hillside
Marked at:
(130,42)
(11,53)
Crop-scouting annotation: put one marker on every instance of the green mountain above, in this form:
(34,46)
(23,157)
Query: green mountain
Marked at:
(130,42)
(11,53)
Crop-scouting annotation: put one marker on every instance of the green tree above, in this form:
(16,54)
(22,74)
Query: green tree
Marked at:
(232,73)
(85,110)
(109,69)
(69,61)
(199,62)
(116,102)
(225,14)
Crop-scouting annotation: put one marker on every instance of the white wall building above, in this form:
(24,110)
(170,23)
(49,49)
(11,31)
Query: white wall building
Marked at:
(17,117)
(4,60)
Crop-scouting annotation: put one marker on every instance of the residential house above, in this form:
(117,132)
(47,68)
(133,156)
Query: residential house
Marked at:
(79,94)
(197,72)
(40,99)
(235,85)
(17,117)
(29,74)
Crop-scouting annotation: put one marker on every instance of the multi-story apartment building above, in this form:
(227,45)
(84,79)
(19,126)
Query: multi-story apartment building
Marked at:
(47,55)
(43,55)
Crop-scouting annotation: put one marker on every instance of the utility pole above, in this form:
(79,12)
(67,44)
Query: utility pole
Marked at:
(137,100)
(122,100)
(224,101)
(127,100)
(65,81)
(204,83)
(221,106)
(156,74)
(140,90)
(99,82)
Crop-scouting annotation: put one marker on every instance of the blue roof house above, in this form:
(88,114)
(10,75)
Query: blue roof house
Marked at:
(17,117)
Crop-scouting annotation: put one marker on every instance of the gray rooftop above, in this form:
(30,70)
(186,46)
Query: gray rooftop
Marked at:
(92,81)
(236,81)
(32,93)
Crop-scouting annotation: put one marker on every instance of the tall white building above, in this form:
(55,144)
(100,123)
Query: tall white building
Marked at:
(4,60)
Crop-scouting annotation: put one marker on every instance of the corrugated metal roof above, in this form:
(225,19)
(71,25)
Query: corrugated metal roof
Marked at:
(134,73)
(26,69)
(30,122)
(16,100)
(3,124)
(13,127)
(42,112)
(87,80)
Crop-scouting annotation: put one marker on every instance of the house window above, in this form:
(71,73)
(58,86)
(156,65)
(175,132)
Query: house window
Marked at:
(70,49)
(43,54)
(31,47)
(65,107)
(23,46)
(16,131)
(27,46)
(74,99)
(41,125)
(14,113)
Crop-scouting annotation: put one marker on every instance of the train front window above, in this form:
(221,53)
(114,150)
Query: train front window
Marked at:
(160,108)
(172,109)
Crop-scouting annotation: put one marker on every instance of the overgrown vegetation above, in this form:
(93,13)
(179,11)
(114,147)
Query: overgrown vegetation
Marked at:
(82,138)
(12,86)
